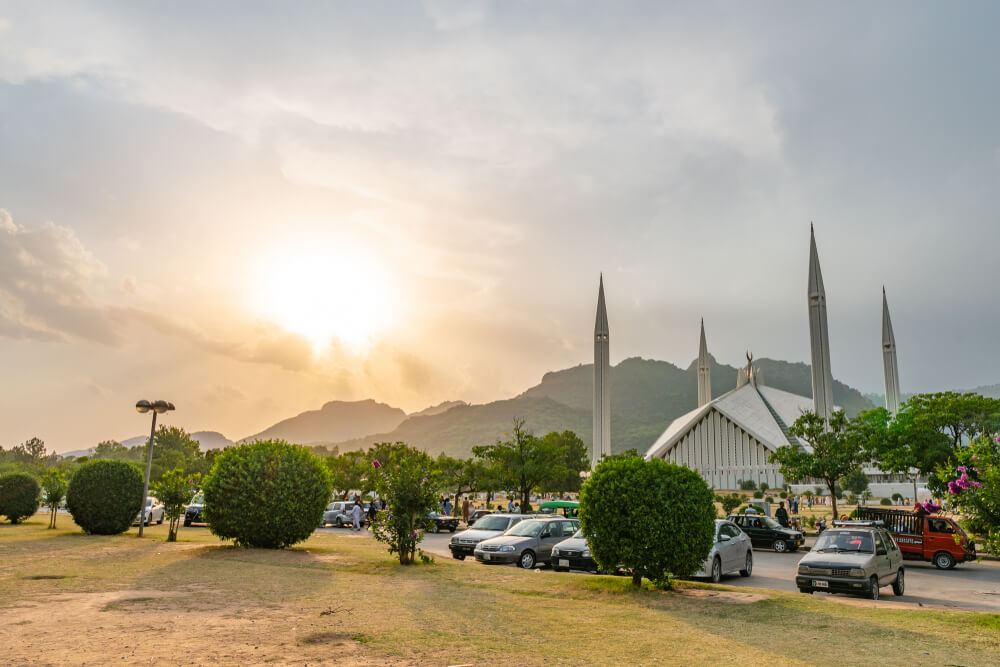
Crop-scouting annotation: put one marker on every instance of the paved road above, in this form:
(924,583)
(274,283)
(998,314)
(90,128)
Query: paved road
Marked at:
(969,586)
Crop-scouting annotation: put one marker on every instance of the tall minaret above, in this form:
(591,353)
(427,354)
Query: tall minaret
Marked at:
(704,370)
(889,368)
(819,336)
(602,381)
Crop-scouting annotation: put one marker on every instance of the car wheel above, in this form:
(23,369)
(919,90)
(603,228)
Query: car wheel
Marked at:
(527,560)
(780,546)
(748,570)
(944,560)
(807,591)
(160,522)
(873,584)
(716,570)
(452,529)
(187,522)
(899,585)
(458,556)
(560,569)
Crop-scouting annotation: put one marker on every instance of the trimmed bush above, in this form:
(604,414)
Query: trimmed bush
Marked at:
(105,496)
(783,495)
(266,494)
(758,494)
(667,527)
(885,501)
(20,496)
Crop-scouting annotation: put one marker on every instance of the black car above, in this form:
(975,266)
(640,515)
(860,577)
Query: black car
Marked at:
(439,522)
(766,533)
(195,512)
(573,554)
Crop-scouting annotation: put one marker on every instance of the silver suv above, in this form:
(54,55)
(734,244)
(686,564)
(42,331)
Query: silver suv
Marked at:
(855,557)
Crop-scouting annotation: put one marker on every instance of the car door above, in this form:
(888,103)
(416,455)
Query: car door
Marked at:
(551,536)
(733,548)
(882,563)
(895,555)
(753,526)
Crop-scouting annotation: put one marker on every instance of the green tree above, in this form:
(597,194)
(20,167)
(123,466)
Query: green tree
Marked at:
(959,416)
(407,481)
(524,463)
(115,451)
(575,460)
(666,527)
(731,502)
(836,452)
(971,481)
(54,486)
(348,472)
(267,494)
(855,481)
(173,448)
(175,489)
(19,496)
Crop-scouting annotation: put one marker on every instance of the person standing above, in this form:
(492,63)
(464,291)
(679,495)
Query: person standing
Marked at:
(465,509)
(372,511)
(356,514)
(781,514)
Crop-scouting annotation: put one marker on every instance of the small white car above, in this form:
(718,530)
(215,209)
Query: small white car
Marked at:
(731,552)
(154,512)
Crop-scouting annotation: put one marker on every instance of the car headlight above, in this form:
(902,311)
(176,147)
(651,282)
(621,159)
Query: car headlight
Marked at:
(506,547)
(555,552)
(857,572)
(586,553)
(804,569)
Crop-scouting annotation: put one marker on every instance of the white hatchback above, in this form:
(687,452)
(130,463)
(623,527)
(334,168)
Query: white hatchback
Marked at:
(731,552)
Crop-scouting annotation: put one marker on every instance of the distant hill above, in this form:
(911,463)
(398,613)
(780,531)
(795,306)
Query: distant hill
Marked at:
(989,390)
(646,395)
(206,439)
(437,409)
(334,422)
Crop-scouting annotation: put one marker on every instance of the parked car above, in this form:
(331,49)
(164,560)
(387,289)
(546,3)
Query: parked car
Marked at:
(573,554)
(732,551)
(463,544)
(924,536)
(477,515)
(856,557)
(153,511)
(438,522)
(195,512)
(766,533)
(528,543)
(338,514)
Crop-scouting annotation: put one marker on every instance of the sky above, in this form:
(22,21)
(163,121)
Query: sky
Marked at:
(250,209)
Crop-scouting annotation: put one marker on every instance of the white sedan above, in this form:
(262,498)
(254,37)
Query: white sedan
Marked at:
(731,552)
(154,512)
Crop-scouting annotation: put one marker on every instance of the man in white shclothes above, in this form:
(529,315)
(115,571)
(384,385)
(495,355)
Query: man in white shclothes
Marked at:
(356,513)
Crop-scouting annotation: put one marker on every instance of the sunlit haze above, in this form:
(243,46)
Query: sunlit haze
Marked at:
(253,210)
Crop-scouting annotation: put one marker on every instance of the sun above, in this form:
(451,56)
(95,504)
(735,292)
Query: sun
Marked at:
(325,295)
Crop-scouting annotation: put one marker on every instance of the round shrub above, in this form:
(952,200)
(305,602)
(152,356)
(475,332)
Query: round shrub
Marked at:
(758,494)
(266,494)
(19,496)
(666,527)
(783,494)
(885,501)
(104,497)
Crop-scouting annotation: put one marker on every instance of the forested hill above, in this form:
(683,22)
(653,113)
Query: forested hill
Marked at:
(646,395)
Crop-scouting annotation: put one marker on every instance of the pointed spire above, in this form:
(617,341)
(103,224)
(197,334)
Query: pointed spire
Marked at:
(704,370)
(819,336)
(601,324)
(890,367)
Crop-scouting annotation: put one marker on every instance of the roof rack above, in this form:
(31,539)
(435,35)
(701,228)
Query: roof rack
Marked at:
(874,524)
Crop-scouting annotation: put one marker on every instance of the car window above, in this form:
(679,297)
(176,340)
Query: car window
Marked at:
(889,542)
(578,534)
(493,523)
(769,522)
(729,529)
(568,528)
(939,526)
(879,544)
(528,528)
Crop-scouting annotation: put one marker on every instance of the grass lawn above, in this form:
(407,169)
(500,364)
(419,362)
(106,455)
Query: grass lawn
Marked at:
(66,597)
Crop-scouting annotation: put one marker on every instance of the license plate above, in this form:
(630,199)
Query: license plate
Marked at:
(486,556)
(563,562)
(820,584)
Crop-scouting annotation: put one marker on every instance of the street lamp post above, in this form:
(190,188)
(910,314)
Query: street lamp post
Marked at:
(157,407)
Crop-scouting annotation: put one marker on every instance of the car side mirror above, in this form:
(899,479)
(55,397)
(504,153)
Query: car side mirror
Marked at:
(724,538)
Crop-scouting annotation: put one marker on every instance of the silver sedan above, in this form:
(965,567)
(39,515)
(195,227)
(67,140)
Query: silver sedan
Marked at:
(731,552)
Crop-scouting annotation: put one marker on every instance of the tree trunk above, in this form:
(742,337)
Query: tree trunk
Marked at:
(833,497)
(636,579)
(172,530)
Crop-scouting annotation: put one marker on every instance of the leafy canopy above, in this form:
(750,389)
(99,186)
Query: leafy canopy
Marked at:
(407,480)
(653,518)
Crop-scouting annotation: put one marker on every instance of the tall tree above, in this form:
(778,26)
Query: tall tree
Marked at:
(575,459)
(961,416)
(835,453)
(524,463)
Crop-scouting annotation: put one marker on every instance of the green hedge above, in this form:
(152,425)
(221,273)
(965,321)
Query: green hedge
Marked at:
(20,496)
(266,494)
(105,496)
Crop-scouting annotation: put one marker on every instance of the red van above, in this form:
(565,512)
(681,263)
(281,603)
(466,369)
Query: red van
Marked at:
(923,536)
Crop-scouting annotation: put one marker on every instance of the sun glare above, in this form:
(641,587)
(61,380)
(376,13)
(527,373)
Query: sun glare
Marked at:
(326,296)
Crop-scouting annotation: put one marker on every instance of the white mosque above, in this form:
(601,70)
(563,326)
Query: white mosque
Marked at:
(730,438)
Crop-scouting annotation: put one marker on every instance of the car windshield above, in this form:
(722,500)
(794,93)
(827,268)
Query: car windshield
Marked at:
(492,523)
(578,535)
(845,541)
(770,523)
(200,498)
(528,528)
